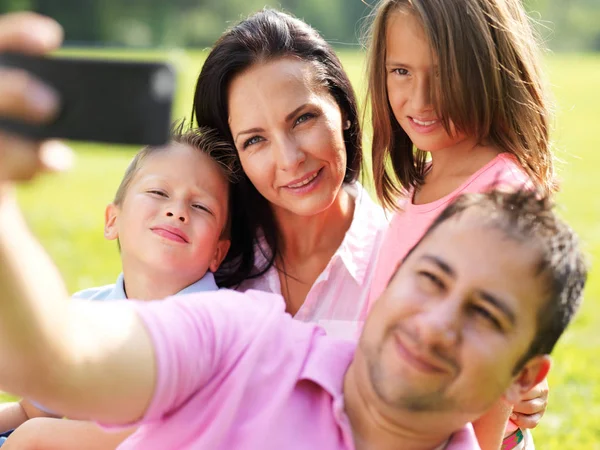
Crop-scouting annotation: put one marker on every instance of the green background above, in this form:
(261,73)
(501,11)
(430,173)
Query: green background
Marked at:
(66,212)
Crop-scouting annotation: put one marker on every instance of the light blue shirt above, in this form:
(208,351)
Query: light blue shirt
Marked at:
(117,291)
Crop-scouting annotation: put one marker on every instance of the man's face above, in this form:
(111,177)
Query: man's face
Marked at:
(459,314)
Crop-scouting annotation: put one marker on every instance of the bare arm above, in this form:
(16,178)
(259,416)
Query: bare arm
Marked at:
(11,416)
(491,426)
(14,414)
(82,359)
(57,434)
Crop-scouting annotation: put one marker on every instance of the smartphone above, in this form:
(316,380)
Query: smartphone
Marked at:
(102,101)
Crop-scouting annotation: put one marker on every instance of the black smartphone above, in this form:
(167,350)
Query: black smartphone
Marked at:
(103,101)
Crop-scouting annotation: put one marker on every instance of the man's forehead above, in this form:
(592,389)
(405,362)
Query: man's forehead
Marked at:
(473,234)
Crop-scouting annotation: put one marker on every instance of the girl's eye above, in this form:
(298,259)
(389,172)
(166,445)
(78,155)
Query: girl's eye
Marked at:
(304,118)
(253,140)
(400,71)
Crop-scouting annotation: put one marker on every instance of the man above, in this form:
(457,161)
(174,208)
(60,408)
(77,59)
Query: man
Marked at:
(469,318)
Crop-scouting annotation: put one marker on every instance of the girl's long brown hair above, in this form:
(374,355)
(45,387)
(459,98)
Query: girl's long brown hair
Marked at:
(490,86)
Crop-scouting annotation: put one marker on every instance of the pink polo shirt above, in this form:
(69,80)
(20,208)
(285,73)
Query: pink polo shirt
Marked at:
(411,221)
(234,371)
(337,301)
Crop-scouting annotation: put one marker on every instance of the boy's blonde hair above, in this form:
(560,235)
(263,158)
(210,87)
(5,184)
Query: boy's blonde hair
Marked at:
(490,86)
(205,140)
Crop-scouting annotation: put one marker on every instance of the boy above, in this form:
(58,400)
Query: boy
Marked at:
(170,217)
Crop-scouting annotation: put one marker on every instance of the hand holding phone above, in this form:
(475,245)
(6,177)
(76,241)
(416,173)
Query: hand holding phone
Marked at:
(20,158)
(102,101)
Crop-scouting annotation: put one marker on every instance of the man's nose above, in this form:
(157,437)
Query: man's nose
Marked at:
(439,326)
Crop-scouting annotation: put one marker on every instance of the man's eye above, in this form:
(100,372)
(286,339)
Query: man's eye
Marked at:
(432,279)
(487,315)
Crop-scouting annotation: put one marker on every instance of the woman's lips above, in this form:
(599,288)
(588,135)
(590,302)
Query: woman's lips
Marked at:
(304,184)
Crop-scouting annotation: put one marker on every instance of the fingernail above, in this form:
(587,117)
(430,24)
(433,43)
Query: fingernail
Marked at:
(43,99)
(56,156)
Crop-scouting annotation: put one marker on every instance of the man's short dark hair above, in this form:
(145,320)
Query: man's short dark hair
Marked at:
(528,216)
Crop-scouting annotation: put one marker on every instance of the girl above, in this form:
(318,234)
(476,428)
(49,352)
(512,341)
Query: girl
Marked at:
(458,104)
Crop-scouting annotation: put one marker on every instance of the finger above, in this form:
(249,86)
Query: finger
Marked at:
(537,405)
(55,156)
(539,391)
(23,97)
(527,421)
(21,160)
(27,32)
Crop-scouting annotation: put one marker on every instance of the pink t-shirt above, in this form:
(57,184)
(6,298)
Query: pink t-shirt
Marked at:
(234,371)
(411,221)
(338,299)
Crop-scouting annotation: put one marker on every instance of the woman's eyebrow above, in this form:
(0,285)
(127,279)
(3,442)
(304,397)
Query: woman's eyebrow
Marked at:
(291,115)
(249,131)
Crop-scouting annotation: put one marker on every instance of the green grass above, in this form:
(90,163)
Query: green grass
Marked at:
(66,212)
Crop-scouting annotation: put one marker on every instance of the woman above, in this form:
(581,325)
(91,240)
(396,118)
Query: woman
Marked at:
(274,88)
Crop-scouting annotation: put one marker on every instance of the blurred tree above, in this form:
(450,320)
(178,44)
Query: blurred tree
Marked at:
(563,24)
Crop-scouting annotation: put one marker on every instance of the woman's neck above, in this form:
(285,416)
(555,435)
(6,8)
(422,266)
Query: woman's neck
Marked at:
(305,236)
(307,246)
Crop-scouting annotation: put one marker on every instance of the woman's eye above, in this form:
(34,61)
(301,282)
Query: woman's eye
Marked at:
(253,140)
(304,118)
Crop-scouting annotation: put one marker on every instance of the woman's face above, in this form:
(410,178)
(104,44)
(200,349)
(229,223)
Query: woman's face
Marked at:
(288,132)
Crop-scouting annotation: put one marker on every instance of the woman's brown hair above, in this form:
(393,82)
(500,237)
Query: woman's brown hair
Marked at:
(490,86)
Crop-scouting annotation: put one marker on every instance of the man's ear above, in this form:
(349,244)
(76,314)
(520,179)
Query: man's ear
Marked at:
(220,253)
(534,371)
(111,213)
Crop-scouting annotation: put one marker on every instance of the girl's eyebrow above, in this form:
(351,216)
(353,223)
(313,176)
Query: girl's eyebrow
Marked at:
(397,63)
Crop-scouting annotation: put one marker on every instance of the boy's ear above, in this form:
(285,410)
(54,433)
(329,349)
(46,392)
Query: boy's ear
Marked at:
(220,253)
(111,213)
(534,371)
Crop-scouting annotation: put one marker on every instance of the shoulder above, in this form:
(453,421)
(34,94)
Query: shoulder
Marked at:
(108,292)
(226,305)
(463,439)
(365,209)
(503,172)
(96,293)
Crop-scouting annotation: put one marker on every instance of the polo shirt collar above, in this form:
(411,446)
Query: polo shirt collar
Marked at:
(206,283)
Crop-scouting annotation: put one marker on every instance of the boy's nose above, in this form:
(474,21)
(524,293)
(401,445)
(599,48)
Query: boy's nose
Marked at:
(178,213)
